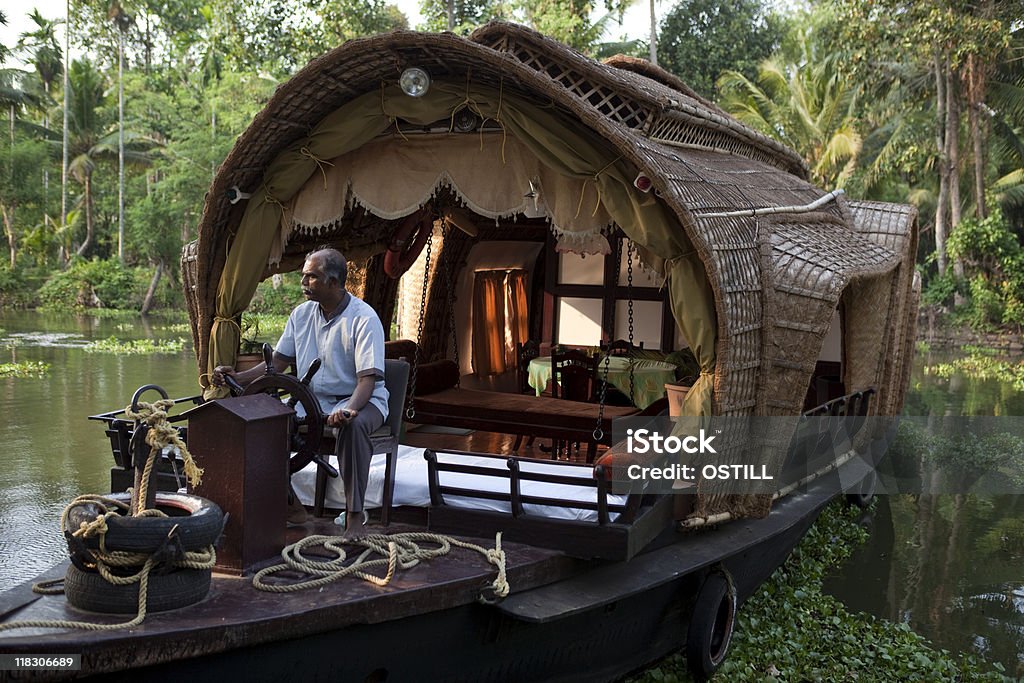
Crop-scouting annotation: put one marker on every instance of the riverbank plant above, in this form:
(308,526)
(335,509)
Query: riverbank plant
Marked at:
(260,328)
(277,295)
(18,287)
(791,630)
(101,284)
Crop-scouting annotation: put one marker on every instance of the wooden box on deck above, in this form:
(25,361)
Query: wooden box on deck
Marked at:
(242,445)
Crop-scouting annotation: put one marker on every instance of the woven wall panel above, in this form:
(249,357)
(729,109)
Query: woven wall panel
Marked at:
(894,226)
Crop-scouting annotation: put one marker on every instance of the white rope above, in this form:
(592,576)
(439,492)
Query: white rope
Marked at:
(803,208)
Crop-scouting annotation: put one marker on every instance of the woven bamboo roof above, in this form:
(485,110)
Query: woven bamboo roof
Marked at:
(776,280)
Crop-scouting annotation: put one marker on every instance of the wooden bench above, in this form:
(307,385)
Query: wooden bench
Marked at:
(540,416)
(438,401)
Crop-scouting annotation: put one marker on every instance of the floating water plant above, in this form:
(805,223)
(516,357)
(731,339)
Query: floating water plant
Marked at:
(791,630)
(136,346)
(981,365)
(31,368)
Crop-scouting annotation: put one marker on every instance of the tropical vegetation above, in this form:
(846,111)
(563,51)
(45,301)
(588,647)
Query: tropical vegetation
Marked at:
(900,100)
(791,629)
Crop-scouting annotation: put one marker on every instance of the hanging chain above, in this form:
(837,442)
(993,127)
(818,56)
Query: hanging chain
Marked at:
(446,250)
(411,411)
(599,428)
(629,295)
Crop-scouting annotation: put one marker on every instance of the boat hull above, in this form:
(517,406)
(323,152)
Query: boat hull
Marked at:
(599,624)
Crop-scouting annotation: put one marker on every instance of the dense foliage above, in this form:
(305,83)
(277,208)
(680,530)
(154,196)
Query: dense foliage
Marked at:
(700,39)
(899,100)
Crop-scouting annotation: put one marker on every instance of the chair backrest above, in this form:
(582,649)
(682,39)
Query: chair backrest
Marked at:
(620,347)
(525,352)
(574,375)
(396,379)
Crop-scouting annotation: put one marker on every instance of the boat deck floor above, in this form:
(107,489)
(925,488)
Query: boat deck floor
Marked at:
(235,610)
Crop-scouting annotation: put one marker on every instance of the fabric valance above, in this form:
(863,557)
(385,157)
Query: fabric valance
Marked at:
(493,174)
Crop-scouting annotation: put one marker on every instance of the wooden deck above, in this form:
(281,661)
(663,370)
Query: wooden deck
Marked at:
(234,611)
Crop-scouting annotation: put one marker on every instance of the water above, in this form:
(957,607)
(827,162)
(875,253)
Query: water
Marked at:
(51,453)
(951,567)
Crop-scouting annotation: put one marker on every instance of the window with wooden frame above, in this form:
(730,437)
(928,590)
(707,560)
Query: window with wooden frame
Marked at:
(582,291)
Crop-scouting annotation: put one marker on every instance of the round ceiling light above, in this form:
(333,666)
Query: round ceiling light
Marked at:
(414,82)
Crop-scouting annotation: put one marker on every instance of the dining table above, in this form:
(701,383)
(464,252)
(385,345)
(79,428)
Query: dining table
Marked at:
(649,376)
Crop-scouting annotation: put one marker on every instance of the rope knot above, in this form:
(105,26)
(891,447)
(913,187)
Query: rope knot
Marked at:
(161,435)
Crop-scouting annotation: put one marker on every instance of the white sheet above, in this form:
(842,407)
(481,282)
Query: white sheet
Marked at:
(411,486)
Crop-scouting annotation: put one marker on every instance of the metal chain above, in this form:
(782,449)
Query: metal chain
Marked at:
(629,294)
(411,411)
(598,429)
(451,298)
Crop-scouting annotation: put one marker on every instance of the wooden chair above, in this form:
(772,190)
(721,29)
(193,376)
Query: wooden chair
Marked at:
(573,375)
(525,352)
(620,347)
(384,440)
(573,378)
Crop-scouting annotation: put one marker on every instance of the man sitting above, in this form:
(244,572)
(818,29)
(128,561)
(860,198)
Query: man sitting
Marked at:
(346,334)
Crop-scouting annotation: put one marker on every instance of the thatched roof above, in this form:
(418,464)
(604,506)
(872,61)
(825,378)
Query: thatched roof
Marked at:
(776,279)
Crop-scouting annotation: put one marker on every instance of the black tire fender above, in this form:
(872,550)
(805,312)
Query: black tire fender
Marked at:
(89,591)
(865,491)
(711,624)
(199,523)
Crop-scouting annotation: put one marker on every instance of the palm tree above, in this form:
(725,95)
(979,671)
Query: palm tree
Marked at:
(5,51)
(122,20)
(42,48)
(45,55)
(1006,111)
(91,137)
(809,105)
(85,135)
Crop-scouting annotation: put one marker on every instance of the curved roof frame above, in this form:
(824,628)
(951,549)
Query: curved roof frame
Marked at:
(698,160)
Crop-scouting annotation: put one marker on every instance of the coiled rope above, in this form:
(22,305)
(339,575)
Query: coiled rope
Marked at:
(395,551)
(160,435)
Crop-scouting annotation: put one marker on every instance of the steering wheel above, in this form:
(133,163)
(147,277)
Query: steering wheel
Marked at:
(292,391)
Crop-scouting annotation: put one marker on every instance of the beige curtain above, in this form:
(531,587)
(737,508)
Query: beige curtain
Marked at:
(489,322)
(561,144)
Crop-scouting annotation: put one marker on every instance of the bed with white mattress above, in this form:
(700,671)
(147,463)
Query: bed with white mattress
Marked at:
(412,486)
(568,506)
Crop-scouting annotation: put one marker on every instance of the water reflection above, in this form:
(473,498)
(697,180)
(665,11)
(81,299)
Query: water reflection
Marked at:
(51,452)
(950,566)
